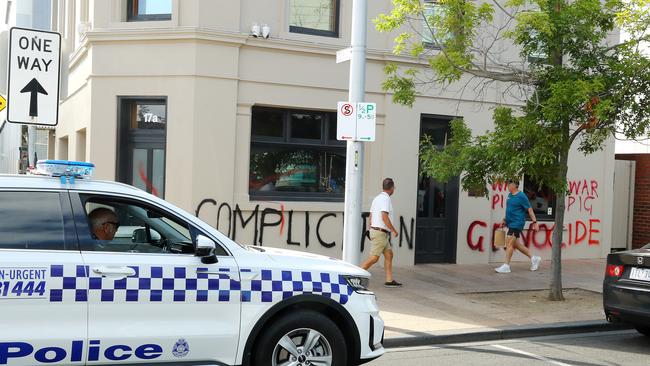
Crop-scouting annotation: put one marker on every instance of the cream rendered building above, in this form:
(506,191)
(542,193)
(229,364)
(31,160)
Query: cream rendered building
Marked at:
(178,98)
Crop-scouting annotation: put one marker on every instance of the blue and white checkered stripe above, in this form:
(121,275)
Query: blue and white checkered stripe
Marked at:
(69,282)
(176,284)
(275,285)
(150,283)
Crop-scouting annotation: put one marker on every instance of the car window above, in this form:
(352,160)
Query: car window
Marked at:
(31,220)
(646,247)
(126,226)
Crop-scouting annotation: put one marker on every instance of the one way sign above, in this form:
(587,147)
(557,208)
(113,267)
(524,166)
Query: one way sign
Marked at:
(34,72)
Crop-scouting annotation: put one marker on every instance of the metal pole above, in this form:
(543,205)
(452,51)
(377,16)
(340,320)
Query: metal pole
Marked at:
(30,9)
(31,145)
(352,229)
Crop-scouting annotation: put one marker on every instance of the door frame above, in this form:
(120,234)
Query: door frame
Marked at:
(142,260)
(123,168)
(452,206)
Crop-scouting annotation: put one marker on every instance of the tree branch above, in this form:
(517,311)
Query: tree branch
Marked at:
(516,76)
(503,9)
(629,43)
(575,134)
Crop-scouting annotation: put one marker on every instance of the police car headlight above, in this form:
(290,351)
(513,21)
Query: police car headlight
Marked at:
(359,284)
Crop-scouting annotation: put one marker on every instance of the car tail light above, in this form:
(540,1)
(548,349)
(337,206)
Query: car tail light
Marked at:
(614,271)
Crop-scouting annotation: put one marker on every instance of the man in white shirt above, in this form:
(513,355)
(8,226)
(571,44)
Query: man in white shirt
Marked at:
(381,226)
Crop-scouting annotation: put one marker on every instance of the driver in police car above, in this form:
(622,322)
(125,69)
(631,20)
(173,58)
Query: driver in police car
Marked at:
(103,223)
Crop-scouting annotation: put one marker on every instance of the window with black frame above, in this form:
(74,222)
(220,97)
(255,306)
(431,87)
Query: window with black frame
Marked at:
(541,199)
(316,17)
(431,36)
(295,156)
(538,56)
(148,10)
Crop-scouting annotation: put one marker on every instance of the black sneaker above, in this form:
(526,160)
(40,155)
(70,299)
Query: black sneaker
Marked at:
(392,284)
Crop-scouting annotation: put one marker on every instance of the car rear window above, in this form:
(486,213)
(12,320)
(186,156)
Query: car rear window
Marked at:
(31,220)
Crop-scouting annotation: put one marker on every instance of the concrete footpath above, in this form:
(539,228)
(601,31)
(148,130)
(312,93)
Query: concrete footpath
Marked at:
(440,303)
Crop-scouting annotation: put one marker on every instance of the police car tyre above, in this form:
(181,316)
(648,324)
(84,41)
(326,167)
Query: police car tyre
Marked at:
(643,330)
(304,338)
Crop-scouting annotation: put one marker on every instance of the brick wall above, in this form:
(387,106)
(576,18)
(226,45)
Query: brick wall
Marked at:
(641,225)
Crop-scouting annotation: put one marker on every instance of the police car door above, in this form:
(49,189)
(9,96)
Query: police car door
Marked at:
(151,300)
(43,308)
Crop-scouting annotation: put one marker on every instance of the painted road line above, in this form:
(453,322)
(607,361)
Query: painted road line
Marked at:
(532,355)
(411,349)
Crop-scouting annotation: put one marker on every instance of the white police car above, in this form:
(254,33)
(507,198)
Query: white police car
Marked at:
(172,290)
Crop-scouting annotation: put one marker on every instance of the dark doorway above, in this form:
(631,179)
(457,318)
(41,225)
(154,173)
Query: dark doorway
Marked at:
(141,152)
(437,204)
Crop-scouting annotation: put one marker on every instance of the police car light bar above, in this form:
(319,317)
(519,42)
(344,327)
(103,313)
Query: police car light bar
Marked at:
(64,169)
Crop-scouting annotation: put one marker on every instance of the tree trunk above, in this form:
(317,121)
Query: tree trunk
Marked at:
(556,255)
(555,293)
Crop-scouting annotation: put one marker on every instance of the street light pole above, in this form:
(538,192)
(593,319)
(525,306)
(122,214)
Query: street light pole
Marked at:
(352,229)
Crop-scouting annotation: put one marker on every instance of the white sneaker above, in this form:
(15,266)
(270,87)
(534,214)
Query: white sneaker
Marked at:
(535,262)
(505,268)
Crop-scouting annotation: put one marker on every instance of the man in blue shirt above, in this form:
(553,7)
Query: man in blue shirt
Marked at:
(516,208)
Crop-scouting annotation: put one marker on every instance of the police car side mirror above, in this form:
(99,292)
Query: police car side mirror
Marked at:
(205,248)
(139,236)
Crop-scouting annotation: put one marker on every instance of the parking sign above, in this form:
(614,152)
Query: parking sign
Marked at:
(356,122)
(366,121)
(346,122)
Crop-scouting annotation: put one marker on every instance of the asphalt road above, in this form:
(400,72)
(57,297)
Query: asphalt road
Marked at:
(625,348)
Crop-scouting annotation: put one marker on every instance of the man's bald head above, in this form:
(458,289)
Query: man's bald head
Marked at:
(104,223)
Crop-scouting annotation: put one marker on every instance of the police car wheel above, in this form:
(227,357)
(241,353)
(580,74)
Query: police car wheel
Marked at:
(643,330)
(303,338)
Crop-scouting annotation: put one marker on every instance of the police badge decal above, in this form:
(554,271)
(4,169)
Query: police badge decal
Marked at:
(181,348)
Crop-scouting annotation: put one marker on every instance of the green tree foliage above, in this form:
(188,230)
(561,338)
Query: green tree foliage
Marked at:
(579,84)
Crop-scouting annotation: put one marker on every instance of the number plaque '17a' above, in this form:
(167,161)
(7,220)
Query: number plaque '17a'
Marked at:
(33,76)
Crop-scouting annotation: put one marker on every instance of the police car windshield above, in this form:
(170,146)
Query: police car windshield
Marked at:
(181,230)
(141,217)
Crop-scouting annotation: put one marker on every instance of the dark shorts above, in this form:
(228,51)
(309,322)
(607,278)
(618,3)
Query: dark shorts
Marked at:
(514,232)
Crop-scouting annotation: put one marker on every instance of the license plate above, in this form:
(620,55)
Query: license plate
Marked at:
(640,274)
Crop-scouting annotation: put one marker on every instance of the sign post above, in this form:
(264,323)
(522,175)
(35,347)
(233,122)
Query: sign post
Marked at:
(33,77)
(354,153)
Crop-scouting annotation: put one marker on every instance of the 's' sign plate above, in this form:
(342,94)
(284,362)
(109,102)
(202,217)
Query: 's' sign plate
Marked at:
(346,122)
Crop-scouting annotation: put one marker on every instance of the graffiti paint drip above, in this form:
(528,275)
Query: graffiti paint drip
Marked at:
(146,181)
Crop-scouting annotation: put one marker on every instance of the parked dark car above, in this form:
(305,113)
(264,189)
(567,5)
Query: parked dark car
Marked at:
(626,288)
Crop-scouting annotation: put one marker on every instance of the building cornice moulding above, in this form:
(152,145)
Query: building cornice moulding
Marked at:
(98,35)
(78,54)
(155,34)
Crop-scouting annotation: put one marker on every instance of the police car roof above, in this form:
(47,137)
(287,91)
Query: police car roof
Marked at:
(19,181)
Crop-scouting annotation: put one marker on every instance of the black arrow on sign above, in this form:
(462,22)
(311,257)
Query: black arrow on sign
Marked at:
(33,87)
